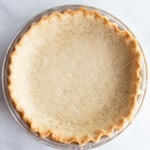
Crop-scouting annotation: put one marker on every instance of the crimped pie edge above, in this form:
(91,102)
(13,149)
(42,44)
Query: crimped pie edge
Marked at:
(135,84)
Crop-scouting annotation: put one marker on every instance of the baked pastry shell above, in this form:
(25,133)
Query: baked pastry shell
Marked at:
(18,117)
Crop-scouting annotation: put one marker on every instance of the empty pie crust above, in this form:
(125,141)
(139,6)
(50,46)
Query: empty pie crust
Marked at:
(74,76)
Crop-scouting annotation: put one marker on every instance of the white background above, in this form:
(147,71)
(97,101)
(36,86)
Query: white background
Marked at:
(134,13)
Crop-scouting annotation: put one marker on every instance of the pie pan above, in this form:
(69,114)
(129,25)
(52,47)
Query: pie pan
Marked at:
(17,116)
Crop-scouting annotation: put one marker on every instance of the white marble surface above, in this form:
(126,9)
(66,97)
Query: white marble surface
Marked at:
(135,13)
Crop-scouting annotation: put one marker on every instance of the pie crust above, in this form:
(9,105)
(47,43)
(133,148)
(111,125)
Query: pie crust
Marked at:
(75,76)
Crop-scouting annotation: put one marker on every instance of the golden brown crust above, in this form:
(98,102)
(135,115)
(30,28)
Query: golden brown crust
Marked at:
(135,85)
